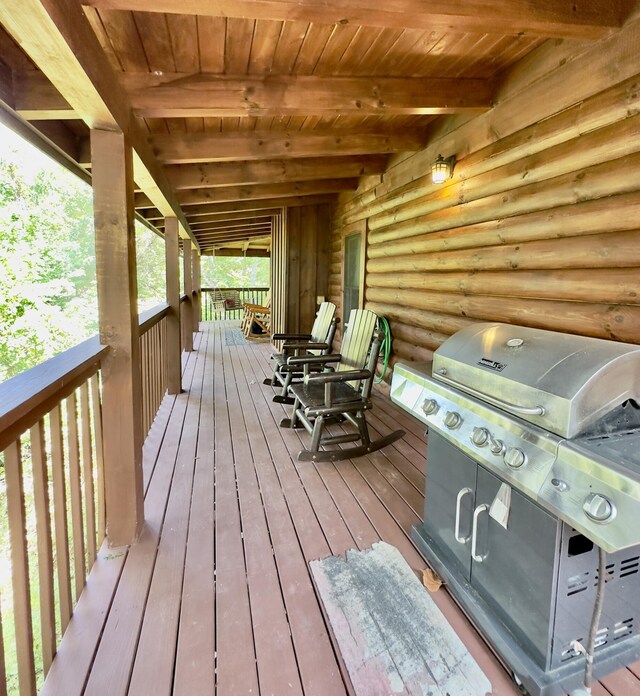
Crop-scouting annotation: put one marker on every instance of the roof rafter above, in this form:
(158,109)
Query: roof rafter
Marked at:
(177,95)
(188,176)
(180,148)
(563,18)
(230,194)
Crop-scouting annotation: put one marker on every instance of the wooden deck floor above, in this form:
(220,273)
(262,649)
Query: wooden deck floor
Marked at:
(216,596)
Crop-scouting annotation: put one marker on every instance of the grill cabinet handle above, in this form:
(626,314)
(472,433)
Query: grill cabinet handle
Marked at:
(522,410)
(474,533)
(461,494)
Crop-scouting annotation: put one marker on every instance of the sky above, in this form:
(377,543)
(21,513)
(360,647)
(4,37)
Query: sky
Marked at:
(14,148)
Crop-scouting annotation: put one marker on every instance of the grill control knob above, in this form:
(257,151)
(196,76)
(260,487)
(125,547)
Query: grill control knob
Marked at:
(452,420)
(480,437)
(430,406)
(515,457)
(497,447)
(598,508)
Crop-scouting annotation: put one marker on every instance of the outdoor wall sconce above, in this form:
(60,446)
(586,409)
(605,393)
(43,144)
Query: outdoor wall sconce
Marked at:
(442,169)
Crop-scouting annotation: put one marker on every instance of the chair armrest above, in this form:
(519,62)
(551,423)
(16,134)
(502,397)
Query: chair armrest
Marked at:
(345,376)
(314,359)
(307,345)
(290,337)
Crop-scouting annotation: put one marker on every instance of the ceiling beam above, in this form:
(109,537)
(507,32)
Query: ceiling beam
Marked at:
(262,238)
(188,176)
(234,236)
(561,18)
(233,224)
(231,194)
(57,36)
(222,232)
(290,202)
(179,95)
(183,148)
(223,217)
(197,223)
(263,253)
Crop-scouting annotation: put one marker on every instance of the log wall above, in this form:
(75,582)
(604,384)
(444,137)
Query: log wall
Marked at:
(540,223)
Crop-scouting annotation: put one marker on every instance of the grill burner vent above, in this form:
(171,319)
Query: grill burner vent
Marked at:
(602,639)
(578,583)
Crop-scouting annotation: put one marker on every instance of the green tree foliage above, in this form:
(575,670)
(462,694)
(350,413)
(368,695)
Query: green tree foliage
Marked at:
(47,267)
(235,272)
(151,267)
(48,297)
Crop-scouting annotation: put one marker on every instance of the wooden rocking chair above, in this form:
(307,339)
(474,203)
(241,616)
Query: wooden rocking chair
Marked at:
(260,315)
(318,342)
(340,395)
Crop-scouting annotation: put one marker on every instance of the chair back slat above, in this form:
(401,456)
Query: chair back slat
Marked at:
(357,340)
(322,323)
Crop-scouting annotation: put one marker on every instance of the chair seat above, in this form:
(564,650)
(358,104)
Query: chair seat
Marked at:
(312,395)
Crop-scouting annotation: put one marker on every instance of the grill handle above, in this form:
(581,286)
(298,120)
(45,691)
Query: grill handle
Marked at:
(474,533)
(522,410)
(456,532)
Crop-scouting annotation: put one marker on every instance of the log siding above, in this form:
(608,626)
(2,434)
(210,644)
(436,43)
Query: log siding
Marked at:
(539,224)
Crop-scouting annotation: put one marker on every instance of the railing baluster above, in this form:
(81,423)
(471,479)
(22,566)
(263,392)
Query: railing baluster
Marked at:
(20,569)
(45,546)
(75,494)
(145,381)
(87,470)
(60,517)
(97,433)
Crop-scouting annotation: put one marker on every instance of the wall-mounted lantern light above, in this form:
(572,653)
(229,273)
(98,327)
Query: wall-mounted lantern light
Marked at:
(442,169)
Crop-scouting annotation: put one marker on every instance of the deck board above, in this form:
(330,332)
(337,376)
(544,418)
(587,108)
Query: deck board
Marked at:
(216,597)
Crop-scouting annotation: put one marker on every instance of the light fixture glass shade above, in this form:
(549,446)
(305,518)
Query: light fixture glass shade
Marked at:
(441,169)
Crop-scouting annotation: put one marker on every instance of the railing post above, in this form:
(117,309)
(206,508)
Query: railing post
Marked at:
(187,325)
(172,266)
(197,294)
(112,174)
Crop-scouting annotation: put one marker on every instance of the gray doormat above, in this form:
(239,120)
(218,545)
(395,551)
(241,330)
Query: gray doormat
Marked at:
(392,637)
(235,337)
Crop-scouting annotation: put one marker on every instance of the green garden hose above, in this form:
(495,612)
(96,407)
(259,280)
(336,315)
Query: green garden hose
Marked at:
(385,347)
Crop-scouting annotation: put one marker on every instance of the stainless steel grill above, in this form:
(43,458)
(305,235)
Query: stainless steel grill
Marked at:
(533,458)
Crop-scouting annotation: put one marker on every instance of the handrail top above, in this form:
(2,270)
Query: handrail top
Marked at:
(29,389)
(152,316)
(258,287)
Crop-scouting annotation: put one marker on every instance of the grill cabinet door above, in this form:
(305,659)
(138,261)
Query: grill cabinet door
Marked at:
(449,474)
(516,577)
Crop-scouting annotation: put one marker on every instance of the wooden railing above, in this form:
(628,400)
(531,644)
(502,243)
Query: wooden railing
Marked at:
(51,451)
(153,359)
(212,310)
(52,508)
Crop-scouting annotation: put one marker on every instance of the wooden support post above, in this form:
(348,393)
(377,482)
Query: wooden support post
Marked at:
(187,324)
(112,171)
(172,257)
(197,284)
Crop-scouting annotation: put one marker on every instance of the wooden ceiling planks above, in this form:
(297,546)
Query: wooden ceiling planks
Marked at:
(210,45)
(563,18)
(251,81)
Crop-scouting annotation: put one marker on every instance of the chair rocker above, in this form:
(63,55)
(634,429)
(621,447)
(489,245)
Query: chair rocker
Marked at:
(342,394)
(318,342)
(256,316)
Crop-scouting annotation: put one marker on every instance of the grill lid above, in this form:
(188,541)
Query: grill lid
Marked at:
(561,382)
